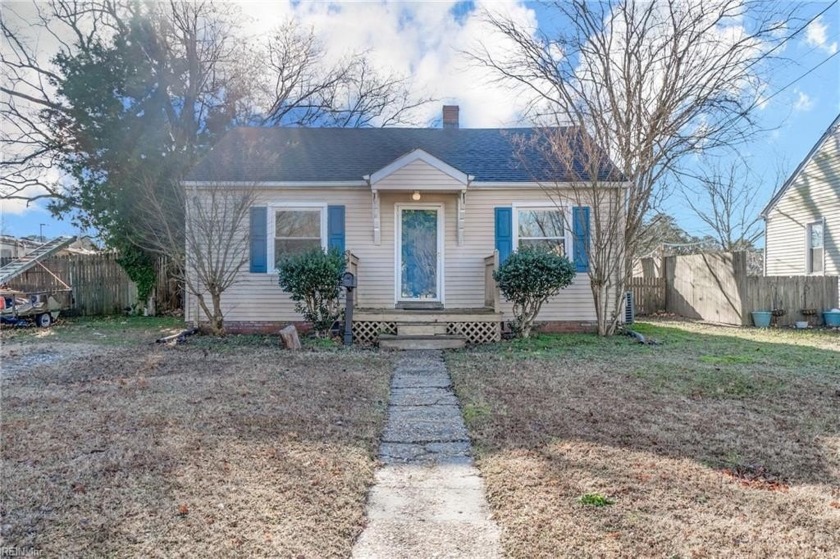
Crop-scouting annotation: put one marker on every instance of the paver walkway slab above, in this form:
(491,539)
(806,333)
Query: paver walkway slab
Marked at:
(428,499)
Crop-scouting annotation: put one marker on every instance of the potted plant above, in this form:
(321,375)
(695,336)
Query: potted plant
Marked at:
(832,318)
(761,319)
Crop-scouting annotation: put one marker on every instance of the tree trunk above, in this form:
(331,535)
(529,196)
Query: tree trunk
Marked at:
(218,319)
(215,318)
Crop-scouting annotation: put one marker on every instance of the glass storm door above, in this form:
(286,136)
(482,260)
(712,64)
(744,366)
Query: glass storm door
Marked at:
(419,260)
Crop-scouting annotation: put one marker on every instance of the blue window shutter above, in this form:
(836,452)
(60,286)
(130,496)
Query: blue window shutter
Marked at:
(259,240)
(504,233)
(335,227)
(580,229)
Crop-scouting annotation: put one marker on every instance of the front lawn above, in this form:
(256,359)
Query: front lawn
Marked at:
(232,449)
(721,442)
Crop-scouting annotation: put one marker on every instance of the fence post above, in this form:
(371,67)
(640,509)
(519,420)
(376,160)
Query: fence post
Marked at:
(739,269)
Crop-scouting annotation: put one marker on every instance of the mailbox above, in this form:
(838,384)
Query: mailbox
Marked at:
(348,280)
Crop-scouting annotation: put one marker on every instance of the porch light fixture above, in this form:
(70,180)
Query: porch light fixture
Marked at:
(416,195)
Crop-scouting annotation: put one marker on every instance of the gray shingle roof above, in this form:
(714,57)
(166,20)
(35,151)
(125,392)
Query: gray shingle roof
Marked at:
(347,154)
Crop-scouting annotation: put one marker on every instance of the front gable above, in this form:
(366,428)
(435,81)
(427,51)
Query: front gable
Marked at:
(415,168)
(816,172)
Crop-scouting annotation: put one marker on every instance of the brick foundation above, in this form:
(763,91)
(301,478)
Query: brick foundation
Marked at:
(273,327)
(262,327)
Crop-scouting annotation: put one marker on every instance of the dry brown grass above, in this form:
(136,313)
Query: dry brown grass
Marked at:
(715,444)
(154,452)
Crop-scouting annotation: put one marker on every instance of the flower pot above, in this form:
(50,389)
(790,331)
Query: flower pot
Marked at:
(801,324)
(761,319)
(832,319)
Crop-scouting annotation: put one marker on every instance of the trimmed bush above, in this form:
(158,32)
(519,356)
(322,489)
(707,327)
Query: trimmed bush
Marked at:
(528,278)
(312,280)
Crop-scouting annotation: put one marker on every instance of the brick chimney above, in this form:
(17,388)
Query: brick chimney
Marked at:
(450,116)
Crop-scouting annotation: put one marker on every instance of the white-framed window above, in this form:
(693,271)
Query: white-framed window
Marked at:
(541,225)
(814,248)
(295,229)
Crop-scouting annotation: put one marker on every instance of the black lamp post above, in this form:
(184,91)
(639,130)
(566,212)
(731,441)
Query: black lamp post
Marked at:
(348,281)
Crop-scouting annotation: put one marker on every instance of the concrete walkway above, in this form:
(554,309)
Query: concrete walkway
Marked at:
(428,499)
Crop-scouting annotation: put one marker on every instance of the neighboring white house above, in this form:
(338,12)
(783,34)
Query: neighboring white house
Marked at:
(14,247)
(421,212)
(802,221)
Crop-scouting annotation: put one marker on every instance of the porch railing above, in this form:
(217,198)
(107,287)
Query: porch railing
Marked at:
(491,288)
(353,264)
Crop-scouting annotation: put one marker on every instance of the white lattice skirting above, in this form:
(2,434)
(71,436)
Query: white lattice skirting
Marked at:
(367,332)
(476,332)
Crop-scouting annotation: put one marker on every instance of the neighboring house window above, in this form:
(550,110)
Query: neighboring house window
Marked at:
(815,248)
(297,230)
(541,227)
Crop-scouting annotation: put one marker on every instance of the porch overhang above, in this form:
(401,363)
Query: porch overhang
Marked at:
(406,174)
(378,179)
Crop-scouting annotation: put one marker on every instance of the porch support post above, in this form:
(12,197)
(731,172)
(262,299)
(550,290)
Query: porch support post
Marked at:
(462,213)
(377,230)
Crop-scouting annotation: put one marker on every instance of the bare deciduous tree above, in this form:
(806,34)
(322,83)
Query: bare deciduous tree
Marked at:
(589,180)
(300,86)
(649,82)
(204,231)
(727,199)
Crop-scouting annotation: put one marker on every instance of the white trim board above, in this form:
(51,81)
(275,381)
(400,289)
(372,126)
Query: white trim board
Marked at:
(352,185)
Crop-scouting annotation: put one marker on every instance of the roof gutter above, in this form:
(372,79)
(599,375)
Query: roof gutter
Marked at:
(278,184)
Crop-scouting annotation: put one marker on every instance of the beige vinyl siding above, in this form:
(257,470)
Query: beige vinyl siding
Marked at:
(814,195)
(257,297)
(418,174)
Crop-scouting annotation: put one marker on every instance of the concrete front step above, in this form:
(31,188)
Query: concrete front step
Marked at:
(421,328)
(387,341)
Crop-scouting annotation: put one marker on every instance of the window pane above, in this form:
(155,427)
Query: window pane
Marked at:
(298,223)
(817,235)
(816,260)
(284,247)
(541,223)
(556,245)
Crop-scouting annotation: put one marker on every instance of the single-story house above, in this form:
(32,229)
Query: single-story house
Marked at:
(425,216)
(802,221)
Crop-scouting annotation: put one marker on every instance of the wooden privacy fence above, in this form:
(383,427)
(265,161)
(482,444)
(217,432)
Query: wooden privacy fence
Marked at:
(793,294)
(100,285)
(716,287)
(648,295)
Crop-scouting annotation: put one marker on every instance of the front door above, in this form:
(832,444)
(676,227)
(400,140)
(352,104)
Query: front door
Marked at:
(419,258)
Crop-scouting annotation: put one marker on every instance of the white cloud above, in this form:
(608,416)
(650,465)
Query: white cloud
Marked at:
(803,101)
(816,35)
(15,207)
(423,40)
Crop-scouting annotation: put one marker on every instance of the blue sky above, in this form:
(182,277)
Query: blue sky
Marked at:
(423,40)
